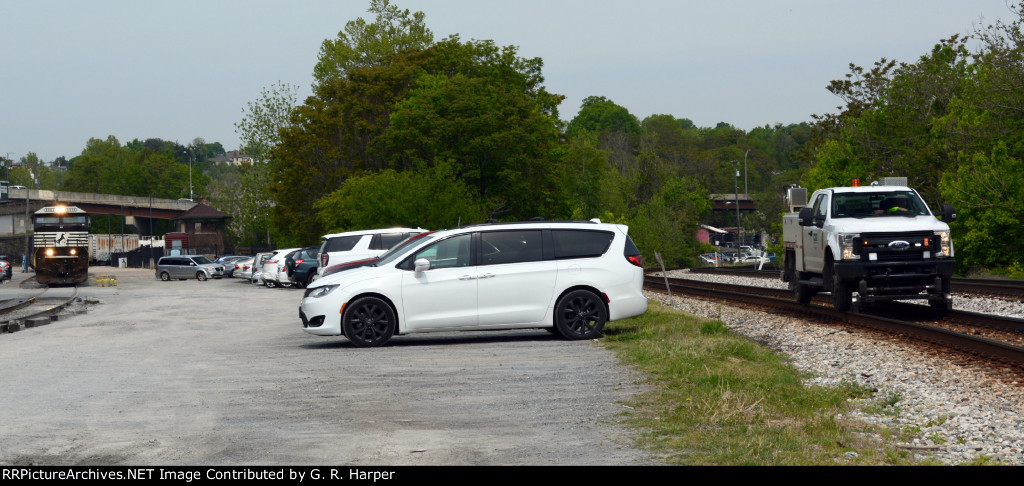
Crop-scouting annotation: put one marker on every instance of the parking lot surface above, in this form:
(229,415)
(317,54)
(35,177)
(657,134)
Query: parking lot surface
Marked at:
(221,373)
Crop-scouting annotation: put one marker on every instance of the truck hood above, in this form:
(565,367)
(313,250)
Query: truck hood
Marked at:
(888,224)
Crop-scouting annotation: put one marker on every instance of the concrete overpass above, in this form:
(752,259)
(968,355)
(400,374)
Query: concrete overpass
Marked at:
(15,213)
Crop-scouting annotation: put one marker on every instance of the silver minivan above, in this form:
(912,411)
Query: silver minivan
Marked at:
(182,267)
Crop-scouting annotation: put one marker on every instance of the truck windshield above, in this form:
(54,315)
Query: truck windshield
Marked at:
(878,204)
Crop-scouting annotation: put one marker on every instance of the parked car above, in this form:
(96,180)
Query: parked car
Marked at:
(8,269)
(710,259)
(229,263)
(401,247)
(567,277)
(239,267)
(255,273)
(300,266)
(357,245)
(273,272)
(188,266)
(754,259)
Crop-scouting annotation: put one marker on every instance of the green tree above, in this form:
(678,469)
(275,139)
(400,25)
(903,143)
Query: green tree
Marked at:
(667,222)
(598,114)
(263,119)
(33,173)
(431,197)
(988,193)
(238,191)
(353,124)
(105,166)
(363,45)
(496,135)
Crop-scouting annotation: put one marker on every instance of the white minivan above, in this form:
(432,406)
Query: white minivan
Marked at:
(567,277)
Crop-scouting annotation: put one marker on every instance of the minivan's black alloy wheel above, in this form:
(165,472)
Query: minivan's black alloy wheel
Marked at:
(580,315)
(368,322)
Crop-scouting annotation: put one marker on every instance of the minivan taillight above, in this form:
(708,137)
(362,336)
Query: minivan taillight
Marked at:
(637,260)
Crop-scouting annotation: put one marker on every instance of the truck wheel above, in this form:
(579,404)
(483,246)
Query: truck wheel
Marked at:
(941,304)
(803,293)
(938,298)
(842,294)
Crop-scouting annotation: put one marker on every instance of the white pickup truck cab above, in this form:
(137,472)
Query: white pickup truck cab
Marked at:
(867,244)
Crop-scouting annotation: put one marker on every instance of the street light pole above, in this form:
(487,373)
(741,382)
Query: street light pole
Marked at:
(190,195)
(745,189)
(736,180)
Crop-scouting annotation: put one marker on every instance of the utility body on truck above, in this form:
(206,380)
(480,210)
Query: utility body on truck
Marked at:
(867,244)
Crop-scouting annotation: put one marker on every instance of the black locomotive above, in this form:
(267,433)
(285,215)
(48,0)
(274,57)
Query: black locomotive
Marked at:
(60,245)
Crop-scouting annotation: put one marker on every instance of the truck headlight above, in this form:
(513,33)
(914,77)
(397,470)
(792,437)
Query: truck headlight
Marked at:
(846,246)
(945,244)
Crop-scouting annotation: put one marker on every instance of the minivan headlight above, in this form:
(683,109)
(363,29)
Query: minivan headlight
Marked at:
(317,292)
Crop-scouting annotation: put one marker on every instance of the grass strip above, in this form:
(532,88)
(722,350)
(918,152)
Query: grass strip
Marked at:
(717,398)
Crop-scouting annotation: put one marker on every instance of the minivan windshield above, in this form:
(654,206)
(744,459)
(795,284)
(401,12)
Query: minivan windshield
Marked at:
(877,204)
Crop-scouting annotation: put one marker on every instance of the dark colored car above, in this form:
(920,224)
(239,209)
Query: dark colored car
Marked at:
(301,266)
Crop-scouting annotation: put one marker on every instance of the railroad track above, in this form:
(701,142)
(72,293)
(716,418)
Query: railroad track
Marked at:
(33,310)
(986,336)
(978,286)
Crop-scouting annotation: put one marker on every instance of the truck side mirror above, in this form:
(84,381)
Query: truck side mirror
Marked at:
(948,213)
(806,217)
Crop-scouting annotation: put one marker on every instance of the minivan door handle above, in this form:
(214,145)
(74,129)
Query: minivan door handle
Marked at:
(486,275)
(467,277)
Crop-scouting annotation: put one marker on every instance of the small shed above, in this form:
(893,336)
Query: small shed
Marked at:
(205,229)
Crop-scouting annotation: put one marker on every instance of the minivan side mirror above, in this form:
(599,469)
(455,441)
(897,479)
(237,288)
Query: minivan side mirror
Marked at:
(421,265)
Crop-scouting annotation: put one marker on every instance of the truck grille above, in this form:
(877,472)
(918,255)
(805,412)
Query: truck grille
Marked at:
(881,244)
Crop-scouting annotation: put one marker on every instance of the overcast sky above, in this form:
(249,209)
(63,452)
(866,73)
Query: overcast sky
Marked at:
(73,70)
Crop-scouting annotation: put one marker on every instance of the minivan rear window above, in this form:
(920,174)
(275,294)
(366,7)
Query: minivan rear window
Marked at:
(511,246)
(581,243)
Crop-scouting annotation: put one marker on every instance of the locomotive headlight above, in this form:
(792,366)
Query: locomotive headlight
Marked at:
(49,252)
(74,251)
(945,244)
(846,246)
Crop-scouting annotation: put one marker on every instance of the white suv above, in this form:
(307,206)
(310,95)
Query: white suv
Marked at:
(567,277)
(356,245)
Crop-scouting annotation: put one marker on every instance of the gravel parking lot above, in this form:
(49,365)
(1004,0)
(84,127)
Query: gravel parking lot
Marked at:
(220,372)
